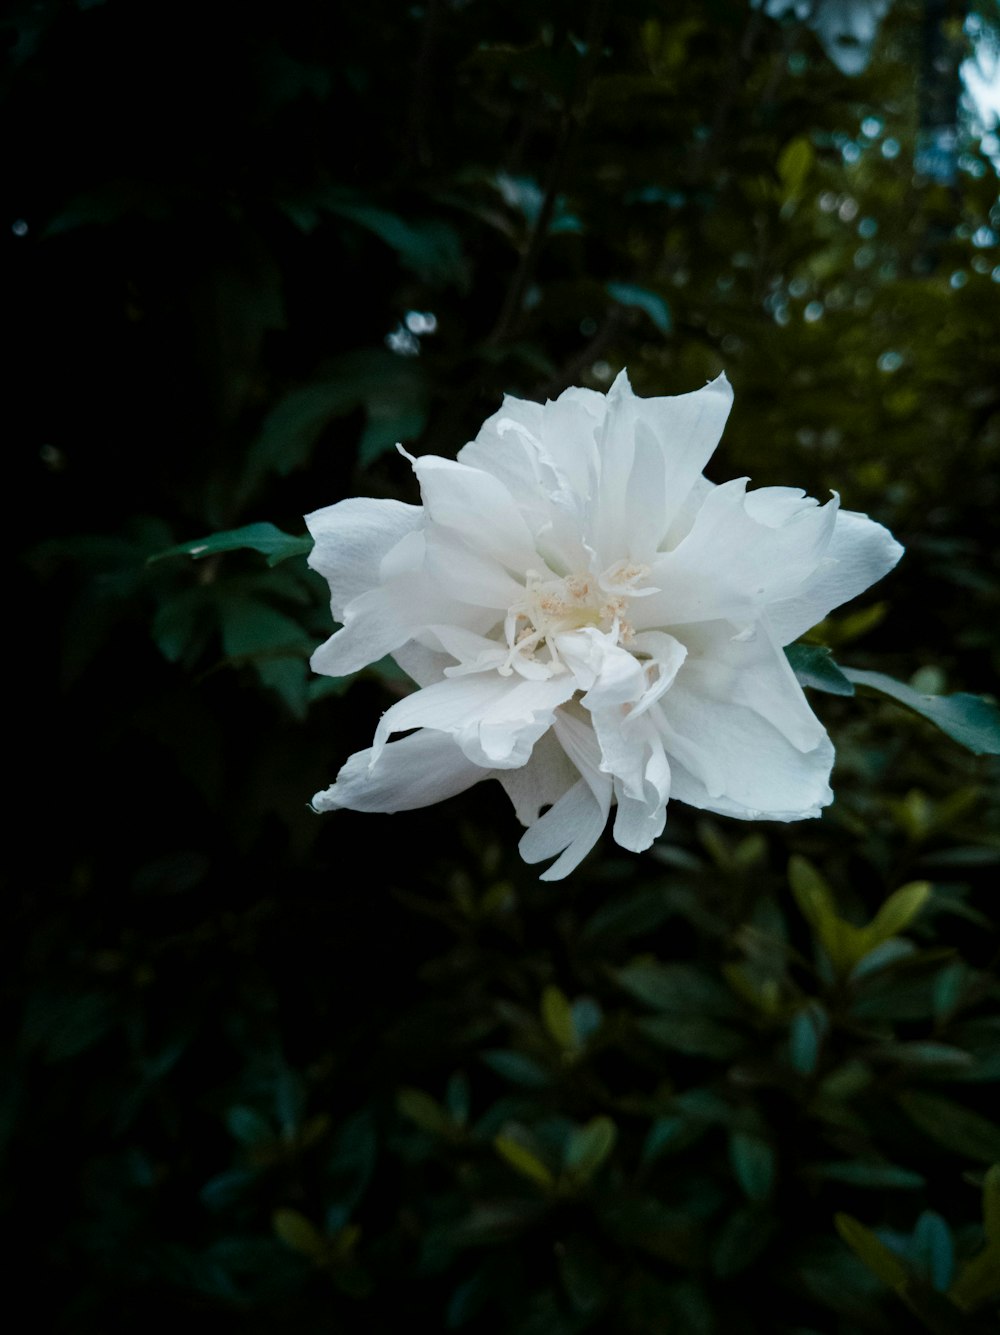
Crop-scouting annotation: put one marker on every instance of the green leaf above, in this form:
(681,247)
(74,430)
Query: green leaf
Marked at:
(265,538)
(934,1248)
(517,1067)
(753,1164)
(924,1054)
(872,1252)
(630,294)
(741,1239)
(681,988)
(425,1111)
(978,1280)
(251,628)
(897,912)
(861,1173)
(431,248)
(956,1128)
(587,1018)
(557,1016)
(808,1028)
(391,390)
(841,940)
(249,1127)
(794,164)
(971,720)
(580,1270)
(589,1146)
(523,1161)
(813,665)
(991,1203)
(295,1231)
(697,1037)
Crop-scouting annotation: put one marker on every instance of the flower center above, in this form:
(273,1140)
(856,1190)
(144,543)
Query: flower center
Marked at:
(553,607)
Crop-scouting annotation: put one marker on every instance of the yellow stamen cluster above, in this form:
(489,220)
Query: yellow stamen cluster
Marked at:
(554,607)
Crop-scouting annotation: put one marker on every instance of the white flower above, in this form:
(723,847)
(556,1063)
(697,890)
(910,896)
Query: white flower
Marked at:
(591,622)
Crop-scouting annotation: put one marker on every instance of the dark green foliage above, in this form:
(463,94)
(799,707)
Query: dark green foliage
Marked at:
(272,1072)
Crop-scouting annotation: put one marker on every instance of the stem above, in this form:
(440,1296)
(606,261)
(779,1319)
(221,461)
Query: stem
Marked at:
(569,125)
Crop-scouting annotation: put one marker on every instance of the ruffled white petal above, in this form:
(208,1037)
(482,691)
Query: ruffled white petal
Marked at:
(653,452)
(750,669)
(741,761)
(731,565)
(608,673)
(860,552)
(350,540)
(572,827)
(415,772)
(478,507)
(466,574)
(574,824)
(541,781)
(382,620)
(495,720)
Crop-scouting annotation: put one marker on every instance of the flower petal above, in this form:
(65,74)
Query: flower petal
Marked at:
(541,781)
(750,670)
(350,540)
(467,574)
(608,673)
(415,772)
(382,620)
(495,720)
(740,761)
(572,827)
(731,565)
(860,552)
(672,436)
(478,507)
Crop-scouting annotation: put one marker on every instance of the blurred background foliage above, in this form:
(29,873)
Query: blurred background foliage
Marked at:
(277,1072)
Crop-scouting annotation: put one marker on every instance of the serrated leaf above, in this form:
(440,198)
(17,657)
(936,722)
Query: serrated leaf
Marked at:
(265,538)
(814,666)
(971,720)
